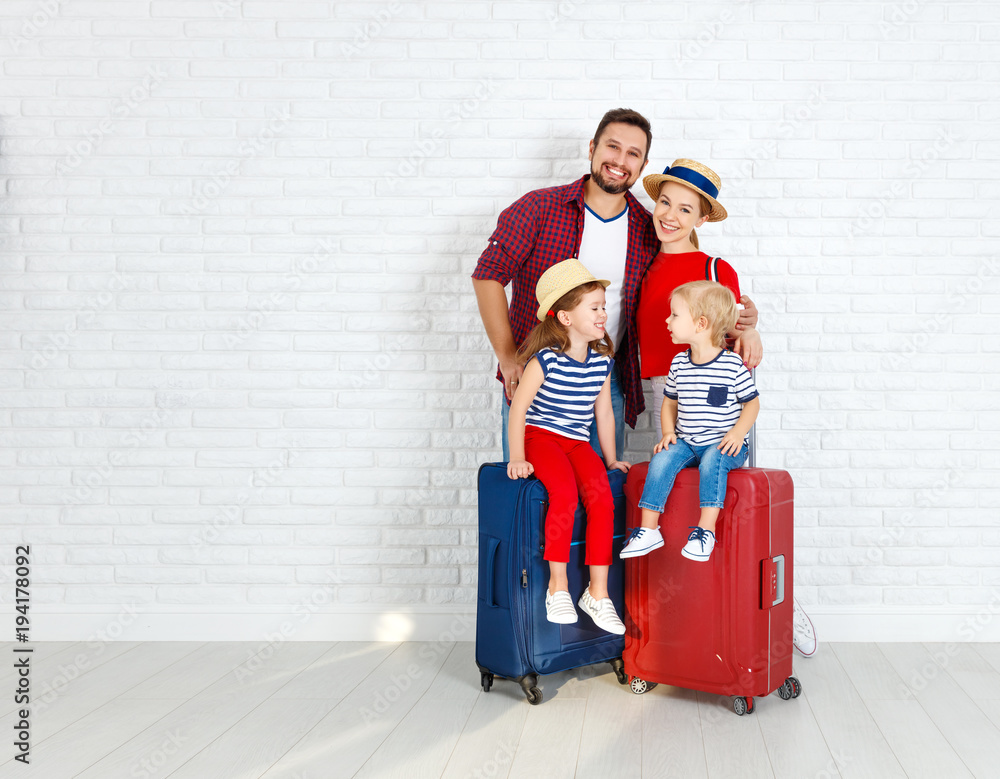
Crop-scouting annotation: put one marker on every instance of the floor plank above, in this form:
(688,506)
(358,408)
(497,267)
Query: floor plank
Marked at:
(302,710)
(872,675)
(206,666)
(970,669)
(672,742)
(612,732)
(990,653)
(54,674)
(344,740)
(490,738)
(99,686)
(458,678)
(734,745)
(88,739)
(421,744)
(197,722)
(966,727)
(337,671)
(252,745)
(846,724)
(550,742)
(794,741)
(916,740)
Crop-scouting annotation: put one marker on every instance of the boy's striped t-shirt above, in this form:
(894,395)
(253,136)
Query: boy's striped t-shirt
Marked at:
(564,404)
(709,396)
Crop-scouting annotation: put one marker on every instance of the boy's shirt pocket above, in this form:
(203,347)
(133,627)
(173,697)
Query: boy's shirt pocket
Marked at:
(717,395)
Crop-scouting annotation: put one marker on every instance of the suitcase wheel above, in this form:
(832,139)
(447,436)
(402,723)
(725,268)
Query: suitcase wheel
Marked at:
(619,669)
(486,680)
(531,692)
(792,688)
(640,686)
(743,705)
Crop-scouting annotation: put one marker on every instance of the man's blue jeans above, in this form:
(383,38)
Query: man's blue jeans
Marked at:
(713,468)
(617,404)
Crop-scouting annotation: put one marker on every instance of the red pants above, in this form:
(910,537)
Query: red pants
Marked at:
(571,470)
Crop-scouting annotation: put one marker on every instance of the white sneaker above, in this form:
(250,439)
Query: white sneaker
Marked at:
(803,632)
(602,612)
(559,608)
(642,541)
(700,544)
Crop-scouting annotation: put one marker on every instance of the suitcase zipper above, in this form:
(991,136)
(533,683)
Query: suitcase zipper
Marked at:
(519,600)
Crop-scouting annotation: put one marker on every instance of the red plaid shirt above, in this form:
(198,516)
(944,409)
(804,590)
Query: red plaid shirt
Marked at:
(545,227)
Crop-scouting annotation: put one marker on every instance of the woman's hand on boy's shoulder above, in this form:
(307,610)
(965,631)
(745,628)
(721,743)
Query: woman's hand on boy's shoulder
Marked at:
(620,465)
(748,314)
(519,469)
(749,347)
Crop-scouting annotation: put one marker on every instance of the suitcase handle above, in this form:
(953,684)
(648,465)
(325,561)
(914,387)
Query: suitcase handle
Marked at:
(772,582)
(491,556)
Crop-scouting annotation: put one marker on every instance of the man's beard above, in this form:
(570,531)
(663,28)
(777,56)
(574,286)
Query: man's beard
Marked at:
(611,187)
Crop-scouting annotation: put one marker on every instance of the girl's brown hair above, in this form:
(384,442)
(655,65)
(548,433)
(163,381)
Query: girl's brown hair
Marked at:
(550,332)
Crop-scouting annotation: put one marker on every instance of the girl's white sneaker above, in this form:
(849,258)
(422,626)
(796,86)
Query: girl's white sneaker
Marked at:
(559,608)
(602,612)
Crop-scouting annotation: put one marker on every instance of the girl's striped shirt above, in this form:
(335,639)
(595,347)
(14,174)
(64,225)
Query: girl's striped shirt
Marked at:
(564,404)
(709,397)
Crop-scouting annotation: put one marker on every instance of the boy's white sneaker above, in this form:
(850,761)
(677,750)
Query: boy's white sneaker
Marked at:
(559,608)
(642,541)
(602,612)
(700,544)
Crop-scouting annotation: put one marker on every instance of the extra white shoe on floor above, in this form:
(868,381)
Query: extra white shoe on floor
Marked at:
(602,612)
(559,608)
(700,544)
(642,541)
(803,632)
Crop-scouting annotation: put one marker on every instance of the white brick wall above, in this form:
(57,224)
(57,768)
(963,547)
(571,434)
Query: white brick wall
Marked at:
(242,366)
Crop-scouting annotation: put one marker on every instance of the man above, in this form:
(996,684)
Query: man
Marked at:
(597,220)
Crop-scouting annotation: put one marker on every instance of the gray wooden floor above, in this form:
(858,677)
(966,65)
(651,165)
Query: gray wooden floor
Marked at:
(320,711)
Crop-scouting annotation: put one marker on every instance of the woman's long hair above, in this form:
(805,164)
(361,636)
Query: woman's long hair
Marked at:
(706,208)
(550,332)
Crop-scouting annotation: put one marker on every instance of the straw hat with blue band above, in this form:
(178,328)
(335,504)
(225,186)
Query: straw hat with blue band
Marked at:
(693,174)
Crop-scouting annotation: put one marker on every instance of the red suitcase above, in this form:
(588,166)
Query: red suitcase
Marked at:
(722,626)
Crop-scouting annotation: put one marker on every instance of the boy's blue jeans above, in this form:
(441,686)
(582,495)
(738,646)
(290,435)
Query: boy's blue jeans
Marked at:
(713,467)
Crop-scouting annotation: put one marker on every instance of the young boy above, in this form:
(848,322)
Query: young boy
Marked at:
(710,403)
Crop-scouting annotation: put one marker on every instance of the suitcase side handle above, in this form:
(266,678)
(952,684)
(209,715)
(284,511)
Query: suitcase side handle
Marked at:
(772,582)
(491,555)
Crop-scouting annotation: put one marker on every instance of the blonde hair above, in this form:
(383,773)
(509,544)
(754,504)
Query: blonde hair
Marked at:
(551,332)
(714,302)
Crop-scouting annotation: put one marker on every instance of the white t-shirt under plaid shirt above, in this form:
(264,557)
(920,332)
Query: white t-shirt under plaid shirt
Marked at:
(709,396)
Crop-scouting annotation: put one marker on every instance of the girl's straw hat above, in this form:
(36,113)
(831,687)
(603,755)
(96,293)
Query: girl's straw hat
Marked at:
(694,175)
(560,279)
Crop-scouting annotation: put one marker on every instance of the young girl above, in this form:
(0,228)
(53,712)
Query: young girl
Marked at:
(709,405)
(564,384)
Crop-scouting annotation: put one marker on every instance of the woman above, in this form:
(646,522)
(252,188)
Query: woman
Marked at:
(685,197)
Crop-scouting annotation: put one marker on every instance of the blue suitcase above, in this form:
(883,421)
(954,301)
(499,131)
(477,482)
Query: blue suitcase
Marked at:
(514,640)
